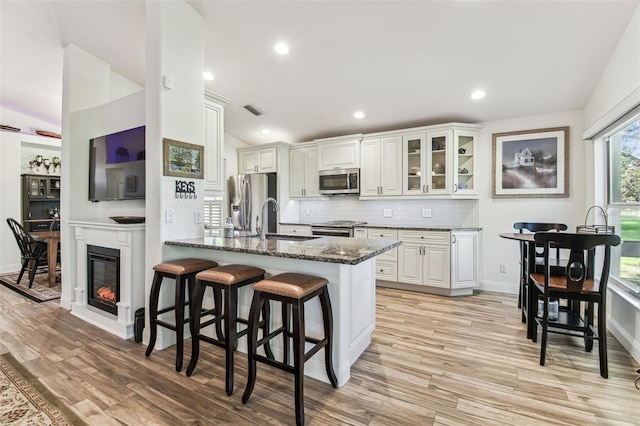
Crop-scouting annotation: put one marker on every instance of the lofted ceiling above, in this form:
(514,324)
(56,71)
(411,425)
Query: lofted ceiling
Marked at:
(403,63)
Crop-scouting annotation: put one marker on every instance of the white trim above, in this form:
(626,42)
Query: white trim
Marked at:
(500,287)
(618,111)
(618,331)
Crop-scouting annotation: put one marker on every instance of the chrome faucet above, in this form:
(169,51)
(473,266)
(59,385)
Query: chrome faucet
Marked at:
(263,227)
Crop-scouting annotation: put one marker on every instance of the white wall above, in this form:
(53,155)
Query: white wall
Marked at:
(88,82)
(619,86)
(121,114)
(498,215)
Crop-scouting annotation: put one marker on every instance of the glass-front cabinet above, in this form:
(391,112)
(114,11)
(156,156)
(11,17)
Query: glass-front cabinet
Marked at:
(426,163)
(413,164)
(438,146)
(464,162)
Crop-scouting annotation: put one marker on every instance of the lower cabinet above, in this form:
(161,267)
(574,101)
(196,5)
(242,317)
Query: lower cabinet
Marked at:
(441,262)
(387,262)
(425,258)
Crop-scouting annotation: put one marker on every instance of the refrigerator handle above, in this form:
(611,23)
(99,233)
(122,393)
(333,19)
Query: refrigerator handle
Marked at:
(246,204)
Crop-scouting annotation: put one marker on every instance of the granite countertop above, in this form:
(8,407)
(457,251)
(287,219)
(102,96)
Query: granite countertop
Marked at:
(412,227)
(350,251)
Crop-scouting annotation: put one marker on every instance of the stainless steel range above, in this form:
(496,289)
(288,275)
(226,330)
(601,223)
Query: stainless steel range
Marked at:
(335,228)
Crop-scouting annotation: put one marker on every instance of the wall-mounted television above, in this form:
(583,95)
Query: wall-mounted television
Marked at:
(117,166)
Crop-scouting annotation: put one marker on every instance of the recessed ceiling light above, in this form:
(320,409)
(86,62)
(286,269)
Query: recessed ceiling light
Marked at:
(282,48)
(265,131)
(358,114)
(478,94)
(207,75)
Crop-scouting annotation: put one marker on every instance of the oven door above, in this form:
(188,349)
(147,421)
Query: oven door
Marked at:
(331,232)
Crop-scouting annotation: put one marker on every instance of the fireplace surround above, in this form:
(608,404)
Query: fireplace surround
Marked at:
(127,240)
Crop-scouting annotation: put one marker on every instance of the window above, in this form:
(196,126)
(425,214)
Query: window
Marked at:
(623,146)
(212,216)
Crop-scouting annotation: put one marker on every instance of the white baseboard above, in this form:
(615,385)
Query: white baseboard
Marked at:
(625,339)
(498,286)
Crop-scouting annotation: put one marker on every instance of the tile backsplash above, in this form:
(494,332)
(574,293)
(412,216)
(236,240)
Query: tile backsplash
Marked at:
(409,212)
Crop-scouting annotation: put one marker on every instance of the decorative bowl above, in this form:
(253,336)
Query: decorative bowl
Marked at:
(127,219)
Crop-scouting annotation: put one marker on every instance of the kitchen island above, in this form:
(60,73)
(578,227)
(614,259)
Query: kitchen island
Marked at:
(348,264)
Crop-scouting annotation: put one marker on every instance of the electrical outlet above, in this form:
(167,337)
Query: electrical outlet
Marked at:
(307,212)
(426,212)
(168,216)
(503,268)
(386,213)
(197,217)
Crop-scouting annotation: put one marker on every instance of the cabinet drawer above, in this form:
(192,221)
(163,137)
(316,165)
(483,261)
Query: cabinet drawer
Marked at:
(385,234)
(386,270)
(295,230)
(427,237)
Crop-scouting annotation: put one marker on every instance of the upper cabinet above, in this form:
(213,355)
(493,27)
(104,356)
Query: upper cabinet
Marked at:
(440,161)
(257,160)
(339,153)
(214,142)
(381,166)
(303,169)
(464,162)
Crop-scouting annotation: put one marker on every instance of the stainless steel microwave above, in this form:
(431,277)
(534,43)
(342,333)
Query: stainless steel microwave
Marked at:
(340,181)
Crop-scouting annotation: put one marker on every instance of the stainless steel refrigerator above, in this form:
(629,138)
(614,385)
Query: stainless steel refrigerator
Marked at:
(246,196)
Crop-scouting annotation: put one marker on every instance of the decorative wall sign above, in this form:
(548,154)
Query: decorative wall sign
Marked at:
(185,189)
(531,163)
(183,159)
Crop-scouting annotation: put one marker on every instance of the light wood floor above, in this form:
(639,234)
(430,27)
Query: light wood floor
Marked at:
(433,360)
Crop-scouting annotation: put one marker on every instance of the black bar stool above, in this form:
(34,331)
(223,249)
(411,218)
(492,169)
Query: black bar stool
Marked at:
(227,279)
(184,272)
(293,290)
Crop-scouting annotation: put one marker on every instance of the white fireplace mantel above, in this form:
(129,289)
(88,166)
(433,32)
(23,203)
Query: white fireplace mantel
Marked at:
(129,239)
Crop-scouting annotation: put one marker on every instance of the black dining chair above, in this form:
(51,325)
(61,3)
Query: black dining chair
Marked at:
(34,253)
(524,270)
(577,284)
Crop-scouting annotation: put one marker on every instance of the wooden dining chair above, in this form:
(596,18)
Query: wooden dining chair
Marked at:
(577,284)
(33,253)
(524,279)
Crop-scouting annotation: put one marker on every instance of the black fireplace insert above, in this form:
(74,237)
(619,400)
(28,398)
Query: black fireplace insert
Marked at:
(103,278)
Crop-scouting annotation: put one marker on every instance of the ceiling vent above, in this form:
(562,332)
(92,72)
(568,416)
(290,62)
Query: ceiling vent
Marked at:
(253,110)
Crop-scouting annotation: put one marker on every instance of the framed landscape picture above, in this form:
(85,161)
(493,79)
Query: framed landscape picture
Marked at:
(183,159)
(531,163)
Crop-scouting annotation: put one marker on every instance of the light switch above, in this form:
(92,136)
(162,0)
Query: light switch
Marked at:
(168,216)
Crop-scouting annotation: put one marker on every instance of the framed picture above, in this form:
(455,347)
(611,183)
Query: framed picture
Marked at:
(531,163)
(183,159)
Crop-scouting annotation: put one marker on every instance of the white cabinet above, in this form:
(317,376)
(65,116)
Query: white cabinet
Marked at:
(464,162)
(257,160)
(214,143)
(339,154)
(426,164)
(464,259)
(424,258)
(303,169)
(381,172)
(295,230)
(440,161)
(387,262)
